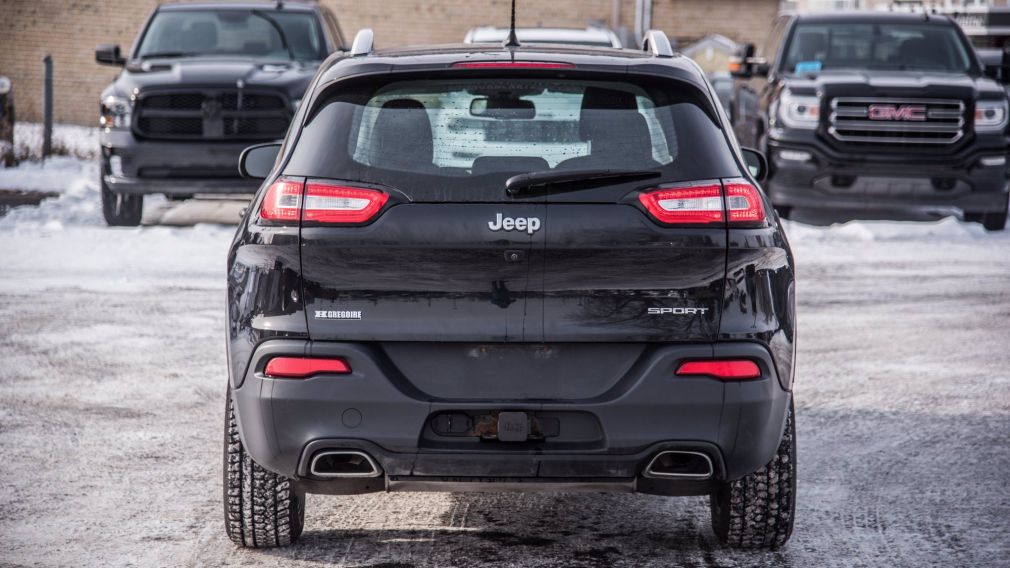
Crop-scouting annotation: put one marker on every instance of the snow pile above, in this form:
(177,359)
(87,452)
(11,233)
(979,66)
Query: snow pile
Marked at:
(945,231)
(68,140)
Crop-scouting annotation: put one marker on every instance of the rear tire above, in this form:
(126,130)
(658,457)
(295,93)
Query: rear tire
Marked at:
(783,211)
(121,210)
(261,509)
(757,511)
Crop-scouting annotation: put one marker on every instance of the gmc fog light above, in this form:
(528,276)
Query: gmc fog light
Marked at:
(116,166)
(991,161)
(795,155)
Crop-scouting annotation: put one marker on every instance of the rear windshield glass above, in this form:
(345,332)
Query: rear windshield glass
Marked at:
(266,33)
(913,47)
(460,140)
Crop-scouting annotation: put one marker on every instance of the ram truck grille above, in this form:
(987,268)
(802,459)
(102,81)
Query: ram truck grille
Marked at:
(211,115)
(892,121)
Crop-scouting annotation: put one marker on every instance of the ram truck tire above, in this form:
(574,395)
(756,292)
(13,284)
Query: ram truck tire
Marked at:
(757,510)
(121,210)
(261,509)
(994,221)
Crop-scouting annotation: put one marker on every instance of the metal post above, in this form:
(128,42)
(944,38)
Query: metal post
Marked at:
(47,107)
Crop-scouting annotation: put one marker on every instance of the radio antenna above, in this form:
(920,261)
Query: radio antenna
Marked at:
(512,40)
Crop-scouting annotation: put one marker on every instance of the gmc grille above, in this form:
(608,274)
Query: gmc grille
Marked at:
(890,121)
(211,114)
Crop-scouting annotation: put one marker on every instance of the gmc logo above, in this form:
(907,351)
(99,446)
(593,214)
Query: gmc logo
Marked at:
(914,113)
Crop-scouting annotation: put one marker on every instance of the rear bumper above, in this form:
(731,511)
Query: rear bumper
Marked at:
(607,440)
(949,185)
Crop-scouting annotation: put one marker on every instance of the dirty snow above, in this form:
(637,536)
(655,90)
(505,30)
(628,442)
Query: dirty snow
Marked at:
(112,397)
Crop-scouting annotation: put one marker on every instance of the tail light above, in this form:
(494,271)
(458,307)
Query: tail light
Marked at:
(283,201)
(725,370)
(700,205)
(743,201)
(303,367)
(319,202)
(325,203)
(707,204)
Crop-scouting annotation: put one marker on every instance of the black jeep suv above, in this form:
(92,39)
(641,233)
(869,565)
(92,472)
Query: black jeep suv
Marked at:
(203,82)
(876,112)
(531,268)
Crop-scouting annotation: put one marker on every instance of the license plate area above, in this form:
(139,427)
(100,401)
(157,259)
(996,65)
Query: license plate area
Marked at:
(501,425)
(479,428)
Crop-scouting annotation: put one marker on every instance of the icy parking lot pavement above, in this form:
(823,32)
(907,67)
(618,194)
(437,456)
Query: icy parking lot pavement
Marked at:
(112,399)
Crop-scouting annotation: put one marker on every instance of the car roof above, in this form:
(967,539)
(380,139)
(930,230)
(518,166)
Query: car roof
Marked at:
(874,17)
(243,5)
(491,34)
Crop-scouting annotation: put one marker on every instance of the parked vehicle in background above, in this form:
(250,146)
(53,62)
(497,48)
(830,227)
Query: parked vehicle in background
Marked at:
(876,112)
(598,36)
(6,122)
(620,320)
(723,84)
(203,82)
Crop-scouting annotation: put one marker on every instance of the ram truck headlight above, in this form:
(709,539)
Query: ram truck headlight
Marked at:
(115,112)
(797,111)
(990,116)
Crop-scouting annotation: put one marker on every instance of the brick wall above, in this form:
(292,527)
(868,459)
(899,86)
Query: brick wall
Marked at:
(70,29)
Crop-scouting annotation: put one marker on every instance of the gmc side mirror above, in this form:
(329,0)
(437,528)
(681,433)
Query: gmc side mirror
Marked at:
(108,54)
(257,161)
(756,163)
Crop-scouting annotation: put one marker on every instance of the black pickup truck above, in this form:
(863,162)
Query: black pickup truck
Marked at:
(202,82)
(875,112)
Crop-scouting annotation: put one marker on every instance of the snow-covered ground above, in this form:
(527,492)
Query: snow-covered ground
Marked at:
(112,397)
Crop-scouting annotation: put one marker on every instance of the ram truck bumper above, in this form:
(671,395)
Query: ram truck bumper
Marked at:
(603,442)
(135,166)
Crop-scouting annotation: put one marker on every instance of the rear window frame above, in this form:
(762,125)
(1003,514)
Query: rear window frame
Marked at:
(384,74)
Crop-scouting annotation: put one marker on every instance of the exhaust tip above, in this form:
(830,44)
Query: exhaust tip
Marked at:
(680,465)
(343,463)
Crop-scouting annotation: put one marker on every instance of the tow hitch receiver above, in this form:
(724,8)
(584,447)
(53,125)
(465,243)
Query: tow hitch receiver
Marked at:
(513,427)
(501,425)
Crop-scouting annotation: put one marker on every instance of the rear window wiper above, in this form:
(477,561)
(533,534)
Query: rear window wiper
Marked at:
(546,182)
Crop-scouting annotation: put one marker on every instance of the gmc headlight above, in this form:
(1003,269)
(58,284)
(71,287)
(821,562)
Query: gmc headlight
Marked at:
(115,112)
(990,116)
(799,111)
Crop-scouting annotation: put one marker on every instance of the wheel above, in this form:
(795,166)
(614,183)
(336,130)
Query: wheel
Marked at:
(121,210)
(994,221)
(757,511)
(179,196)
(261,509)
(783,211)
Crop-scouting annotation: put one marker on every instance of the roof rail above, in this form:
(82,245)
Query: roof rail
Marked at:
(656,42)
(362,42)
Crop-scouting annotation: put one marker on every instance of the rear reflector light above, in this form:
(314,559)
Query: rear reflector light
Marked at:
(325,203)
(727,370)
(512,65)
(300,367)
(743,201)
(283,201)
(707,204)
(685,205)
